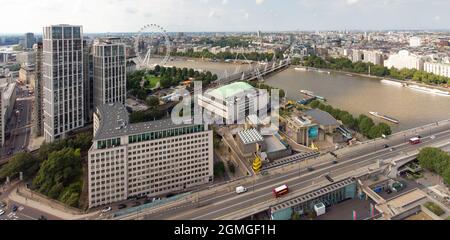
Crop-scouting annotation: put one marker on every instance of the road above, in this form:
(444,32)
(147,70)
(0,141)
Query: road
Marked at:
(19,139)
(218,202)
(23,212)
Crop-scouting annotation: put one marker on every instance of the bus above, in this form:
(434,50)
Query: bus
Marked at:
(280,191)
(414,140)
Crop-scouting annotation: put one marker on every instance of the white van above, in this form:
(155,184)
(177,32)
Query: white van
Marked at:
(241,189)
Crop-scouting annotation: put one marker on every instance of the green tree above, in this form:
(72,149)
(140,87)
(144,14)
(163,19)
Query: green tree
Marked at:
(21,162)
(152,101)
(219,169)
(62,169)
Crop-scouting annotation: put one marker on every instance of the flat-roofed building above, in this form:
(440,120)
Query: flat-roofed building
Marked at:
(63,81)
(110,70)
(145,159)
(234,102)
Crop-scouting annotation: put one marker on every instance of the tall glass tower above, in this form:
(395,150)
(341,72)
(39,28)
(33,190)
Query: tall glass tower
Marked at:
(63,80)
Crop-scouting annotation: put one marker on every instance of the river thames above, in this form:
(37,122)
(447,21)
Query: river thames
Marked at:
(356,94)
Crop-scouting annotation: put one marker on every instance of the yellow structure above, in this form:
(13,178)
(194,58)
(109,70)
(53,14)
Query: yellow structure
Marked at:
(314,147)
(257,164)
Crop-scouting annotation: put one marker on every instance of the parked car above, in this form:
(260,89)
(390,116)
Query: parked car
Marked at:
(2,212)
(2,204)
(108,209)
(14,208)
(122,206)
(386,146)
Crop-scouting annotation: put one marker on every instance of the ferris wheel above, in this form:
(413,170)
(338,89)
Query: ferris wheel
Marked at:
(148,43)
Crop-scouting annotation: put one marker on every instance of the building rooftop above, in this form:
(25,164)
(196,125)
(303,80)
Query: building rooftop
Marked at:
(230,90)
(273,144)
(114,122)
(250,136)
(323,118)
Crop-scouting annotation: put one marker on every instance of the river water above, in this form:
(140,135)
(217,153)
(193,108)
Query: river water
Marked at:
(355,94)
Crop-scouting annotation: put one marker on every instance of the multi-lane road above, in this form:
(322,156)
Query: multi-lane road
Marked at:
(19,125)
(221,202)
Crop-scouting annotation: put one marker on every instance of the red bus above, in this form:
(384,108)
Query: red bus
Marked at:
(280,191)
(414,140)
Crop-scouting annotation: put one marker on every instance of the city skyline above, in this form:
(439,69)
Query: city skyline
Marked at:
(230,15)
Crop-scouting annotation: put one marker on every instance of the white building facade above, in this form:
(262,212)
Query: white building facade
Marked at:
(145,159)
(404,59)
(439,69)
(63,80)
(234,102)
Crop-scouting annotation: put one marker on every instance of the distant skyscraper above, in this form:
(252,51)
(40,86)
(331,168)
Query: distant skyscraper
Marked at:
(109,71)
(63,80)
(29,40)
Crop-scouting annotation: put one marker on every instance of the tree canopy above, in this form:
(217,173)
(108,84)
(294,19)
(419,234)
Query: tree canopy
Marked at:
(60,176)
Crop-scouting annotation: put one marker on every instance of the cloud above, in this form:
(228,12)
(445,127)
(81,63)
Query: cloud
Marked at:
(224,2)
(352,2)
(259,2)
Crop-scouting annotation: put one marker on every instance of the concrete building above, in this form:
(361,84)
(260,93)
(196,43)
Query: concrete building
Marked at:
(27,58)
(110,74)
(404,59)
(302,130)
(234,102)
(374,57)
(63,80)
(415,42)
(145,159)
(328,126)
(29,40)
(26,74)
(7,101)
(439,69)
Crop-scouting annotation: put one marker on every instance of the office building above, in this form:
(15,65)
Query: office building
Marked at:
(234,102)
(63,80)
(415,42)
(29,40)
(7,101)
(439,69)
(110,78)
(145,159)
(404,59)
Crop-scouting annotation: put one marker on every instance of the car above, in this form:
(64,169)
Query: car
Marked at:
(2,204)
(14,208)
(108,209)
(241,189)
(329,178)
(433,137)
(122,206)
(335,162)
(310,169)
(2,212)
(386,146)
(264,173)
(388,191)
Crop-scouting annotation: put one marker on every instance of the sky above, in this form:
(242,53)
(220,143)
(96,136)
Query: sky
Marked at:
(20,16)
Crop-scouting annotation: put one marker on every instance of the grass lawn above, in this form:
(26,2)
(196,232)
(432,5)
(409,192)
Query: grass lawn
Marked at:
(153,80)
(434,208)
